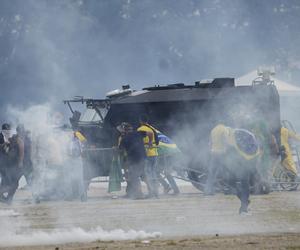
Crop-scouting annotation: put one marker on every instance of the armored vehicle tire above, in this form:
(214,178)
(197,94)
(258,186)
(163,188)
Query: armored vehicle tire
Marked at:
(260,188)
(197,179)
(287,180)
(265,188)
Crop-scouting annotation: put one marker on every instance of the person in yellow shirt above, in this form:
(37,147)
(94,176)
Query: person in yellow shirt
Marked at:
(150,143)
(287,156)
(236,151)
(219,137)
(80,136)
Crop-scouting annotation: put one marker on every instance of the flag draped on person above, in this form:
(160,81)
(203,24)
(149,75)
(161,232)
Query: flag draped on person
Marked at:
(165,145)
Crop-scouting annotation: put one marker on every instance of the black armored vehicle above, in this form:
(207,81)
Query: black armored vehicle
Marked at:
(185,113)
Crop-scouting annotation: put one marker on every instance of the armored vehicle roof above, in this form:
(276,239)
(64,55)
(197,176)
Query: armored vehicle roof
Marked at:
(218,88)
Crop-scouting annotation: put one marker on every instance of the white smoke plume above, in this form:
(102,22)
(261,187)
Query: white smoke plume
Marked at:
(72,235)
(8,212)
(51,146)
(13,233)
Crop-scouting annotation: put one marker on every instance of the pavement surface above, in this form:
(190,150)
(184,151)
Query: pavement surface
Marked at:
(189,217)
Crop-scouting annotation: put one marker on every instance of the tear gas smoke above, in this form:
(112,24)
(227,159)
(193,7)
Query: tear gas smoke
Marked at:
(8,212)
(57,49)
(73,235)
(51,149)
(12,236)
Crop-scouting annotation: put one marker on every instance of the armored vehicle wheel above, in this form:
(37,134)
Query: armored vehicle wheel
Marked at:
(258,185)
(261,187)
(287,180)
(265,188)
(198,179)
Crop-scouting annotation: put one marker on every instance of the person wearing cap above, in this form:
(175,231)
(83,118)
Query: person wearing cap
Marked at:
(5,133)
(14,167)
(132,143)
(4,148)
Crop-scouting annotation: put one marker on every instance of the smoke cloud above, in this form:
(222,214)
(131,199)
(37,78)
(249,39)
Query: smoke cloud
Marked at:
(51,50)
(12,236)
(73,235)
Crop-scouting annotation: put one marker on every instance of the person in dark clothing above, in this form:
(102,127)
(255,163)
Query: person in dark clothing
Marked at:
(13,168)
(132,143)
(4,148)
(4,136)
(4,139)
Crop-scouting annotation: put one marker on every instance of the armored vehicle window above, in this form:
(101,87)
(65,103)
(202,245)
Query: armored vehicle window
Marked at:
(90,115)
(103,111)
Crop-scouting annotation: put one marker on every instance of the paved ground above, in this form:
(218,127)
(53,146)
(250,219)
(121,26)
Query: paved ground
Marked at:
(189,219)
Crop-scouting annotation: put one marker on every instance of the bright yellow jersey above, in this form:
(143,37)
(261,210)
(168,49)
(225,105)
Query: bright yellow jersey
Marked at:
(220,137)
(80,136)
(285,136)
(150,151)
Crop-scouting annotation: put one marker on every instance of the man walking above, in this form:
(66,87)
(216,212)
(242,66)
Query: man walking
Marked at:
(132,143)
(235,151)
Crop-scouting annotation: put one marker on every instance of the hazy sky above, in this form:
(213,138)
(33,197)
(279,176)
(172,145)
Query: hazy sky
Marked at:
(55,49)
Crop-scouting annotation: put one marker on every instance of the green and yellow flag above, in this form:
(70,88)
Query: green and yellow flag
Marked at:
(165,145)
(115,175)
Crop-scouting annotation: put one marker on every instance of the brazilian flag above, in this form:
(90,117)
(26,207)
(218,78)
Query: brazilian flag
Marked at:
(115,175)
(165,145)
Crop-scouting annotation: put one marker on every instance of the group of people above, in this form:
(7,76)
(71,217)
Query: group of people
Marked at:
(15,160)
(51,163)
(58,152)
(242,153)
(246,155)
(141,161)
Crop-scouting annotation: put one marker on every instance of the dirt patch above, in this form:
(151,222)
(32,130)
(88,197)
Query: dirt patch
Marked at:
(190,221)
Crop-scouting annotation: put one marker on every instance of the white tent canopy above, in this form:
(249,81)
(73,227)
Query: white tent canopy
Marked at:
(284,89)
